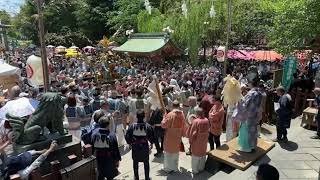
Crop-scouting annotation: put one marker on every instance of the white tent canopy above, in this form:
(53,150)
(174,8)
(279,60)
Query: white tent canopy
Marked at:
(88,47)
(50,46)
(7,70)
(60,47)
(73,47)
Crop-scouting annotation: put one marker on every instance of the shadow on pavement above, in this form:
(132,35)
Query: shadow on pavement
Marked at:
(264,160)
(289,146)
(124,150)
(265,130)
(158,159)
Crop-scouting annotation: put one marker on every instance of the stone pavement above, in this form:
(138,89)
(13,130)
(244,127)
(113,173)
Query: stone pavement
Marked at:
(298,159)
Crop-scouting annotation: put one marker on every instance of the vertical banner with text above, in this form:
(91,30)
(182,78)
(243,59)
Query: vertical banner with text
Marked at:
(289,68)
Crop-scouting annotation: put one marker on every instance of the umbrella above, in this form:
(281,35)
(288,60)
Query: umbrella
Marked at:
(50,46)
(89,47)
(267,55)
(61,47)
(7,70)
(20,107)
(73,47)
(240,54)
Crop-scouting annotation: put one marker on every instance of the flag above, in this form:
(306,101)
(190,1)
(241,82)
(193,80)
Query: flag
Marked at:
(289,68)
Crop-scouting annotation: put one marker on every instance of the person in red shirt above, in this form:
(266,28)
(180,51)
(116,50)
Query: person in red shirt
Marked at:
(198,138)
(216,117)
(206,103)
(174,125)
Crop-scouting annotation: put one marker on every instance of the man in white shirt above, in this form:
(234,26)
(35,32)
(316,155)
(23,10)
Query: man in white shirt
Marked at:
(22,164)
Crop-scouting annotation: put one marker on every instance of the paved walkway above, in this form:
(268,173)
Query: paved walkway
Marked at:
(298,159)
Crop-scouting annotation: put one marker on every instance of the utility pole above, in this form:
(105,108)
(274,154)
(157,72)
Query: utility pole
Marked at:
(225,63)
(43,47)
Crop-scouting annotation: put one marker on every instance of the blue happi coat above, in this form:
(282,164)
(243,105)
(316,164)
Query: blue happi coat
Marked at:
(247,112)
(138,135)
(107,152)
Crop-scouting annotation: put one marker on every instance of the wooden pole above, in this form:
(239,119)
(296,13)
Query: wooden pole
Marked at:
(43,47)
(163,109)
(225,64)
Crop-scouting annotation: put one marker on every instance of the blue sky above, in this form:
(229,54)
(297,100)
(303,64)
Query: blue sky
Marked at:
(11,6)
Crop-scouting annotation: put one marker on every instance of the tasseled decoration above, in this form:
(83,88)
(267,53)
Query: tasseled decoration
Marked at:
(231,92)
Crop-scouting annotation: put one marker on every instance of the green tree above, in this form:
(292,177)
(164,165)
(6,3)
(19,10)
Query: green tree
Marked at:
(25,22)
(125,15)
(150,23)
(93,17)
(67,37)
(296,25)
(189,31)
(250,19)
(57,15)
(5,17)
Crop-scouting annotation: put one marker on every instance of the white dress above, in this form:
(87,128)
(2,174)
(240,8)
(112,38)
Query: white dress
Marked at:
(229,128)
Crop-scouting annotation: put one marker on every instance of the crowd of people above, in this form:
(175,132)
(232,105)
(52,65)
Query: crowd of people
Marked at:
(158,106)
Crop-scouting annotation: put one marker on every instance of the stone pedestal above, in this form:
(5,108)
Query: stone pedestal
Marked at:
(67,145)
(61,154)
(42,144)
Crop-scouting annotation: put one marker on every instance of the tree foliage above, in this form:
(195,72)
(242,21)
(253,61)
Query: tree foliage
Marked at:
(287,24)
(150,23)
(67,38)
(126,14)
(25,22)
(60,14)
(93,17)
(56,15)
(5,17)
(296,24)
(254,21)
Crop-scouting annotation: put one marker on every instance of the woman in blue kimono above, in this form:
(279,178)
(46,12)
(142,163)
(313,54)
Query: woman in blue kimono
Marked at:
(138,135)
(106,150)
(247,113)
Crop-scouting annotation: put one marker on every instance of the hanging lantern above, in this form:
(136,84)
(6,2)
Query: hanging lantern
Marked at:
(184,9)
(212,12)
(146,3)
(148,6)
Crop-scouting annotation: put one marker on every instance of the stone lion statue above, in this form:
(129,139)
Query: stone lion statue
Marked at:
(50,114)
